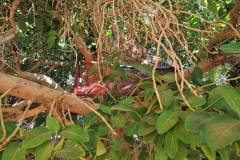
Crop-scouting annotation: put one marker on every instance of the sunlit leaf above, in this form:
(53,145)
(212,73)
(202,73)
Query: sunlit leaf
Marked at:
(100,148)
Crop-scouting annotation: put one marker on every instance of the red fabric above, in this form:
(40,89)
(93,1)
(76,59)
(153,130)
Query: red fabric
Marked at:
(91,85)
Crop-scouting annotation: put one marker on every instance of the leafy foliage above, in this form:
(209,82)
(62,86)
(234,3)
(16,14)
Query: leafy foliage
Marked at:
(157,123)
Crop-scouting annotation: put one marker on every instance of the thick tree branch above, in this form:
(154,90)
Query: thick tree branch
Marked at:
(28,90)
(206,65)
(230,31)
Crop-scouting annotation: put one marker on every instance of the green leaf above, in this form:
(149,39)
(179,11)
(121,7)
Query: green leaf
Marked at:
(10,127)
(158,141)
(221,131)
(201,141)
(182,134)
(90,119)
(105,109)
(171,144)
(122,107)
(126,155)
(39,23)
(70,150)
(143,154)
(44,151)
(196,101)
(146,84)
(22,24)
(52,33)
(145,129)
(193,141)
(59,144)
(150,119)
(14,151)
(75,133)
(148,94)
(216,99)
(224,152)
(211,155)
(102,130)
(114,154)
(51,41)
(232,97)
(196,120)
(38,136)
(166,97)
(160,154)
(118,71)
(170,76)
(147,69)
(233,47)
(52,124)
(212,6)
(181,152)
(127,100)
(149,137)
(115,143)
(91,144)
(119,120)
(166,121)
(131,129)
(93,69)
(100,148)
(196,74)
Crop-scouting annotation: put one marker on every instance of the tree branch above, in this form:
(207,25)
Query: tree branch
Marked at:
(230,31)
(28,90)
(40,78)
(11,33)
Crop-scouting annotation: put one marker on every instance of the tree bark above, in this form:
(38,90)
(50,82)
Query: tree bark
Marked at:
(29,90)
